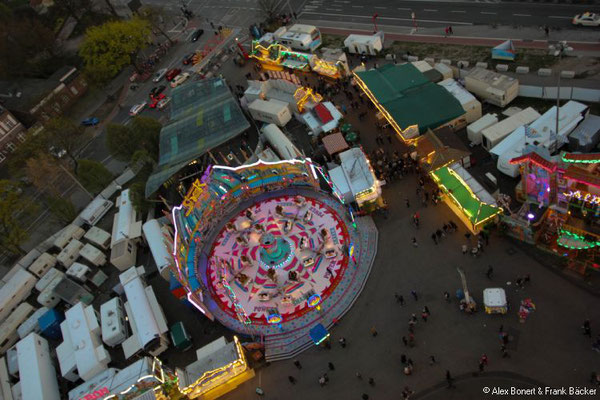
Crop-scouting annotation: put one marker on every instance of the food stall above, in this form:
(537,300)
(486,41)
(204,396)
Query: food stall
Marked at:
(494,301)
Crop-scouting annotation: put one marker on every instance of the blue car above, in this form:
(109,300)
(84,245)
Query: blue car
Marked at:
(91,121)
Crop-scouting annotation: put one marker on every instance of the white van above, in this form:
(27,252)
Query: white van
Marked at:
(69,232)
(92,255)
(69,254)
(95,210)
(42,264)
(98,237)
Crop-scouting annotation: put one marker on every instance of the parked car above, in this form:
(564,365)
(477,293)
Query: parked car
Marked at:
(91,121)
(136,109)
(159,75)
(163,103)
(586,19)
(156,99)
(57,152)
(196,35)
(172,73)
(180,79)
(188,59)
(157,90)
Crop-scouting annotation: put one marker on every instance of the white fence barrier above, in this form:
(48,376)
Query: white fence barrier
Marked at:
(566,93)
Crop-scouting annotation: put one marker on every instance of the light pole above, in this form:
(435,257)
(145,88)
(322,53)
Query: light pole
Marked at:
(375,22)
(559,49)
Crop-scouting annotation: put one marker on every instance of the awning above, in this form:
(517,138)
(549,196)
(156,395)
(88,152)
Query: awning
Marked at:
(335,143)
(323,113)
(475,202)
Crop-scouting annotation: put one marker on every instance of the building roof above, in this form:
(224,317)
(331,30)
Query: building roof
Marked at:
(588,158)
(356,170)
(536,159)
(441,148)
(467,193)
(204,115)
(587,130)
(458,91)
(409,97)
(335,143)
(323,113)
(581,175)
(494,79)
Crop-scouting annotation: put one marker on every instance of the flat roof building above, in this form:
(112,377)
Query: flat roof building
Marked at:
(36,370)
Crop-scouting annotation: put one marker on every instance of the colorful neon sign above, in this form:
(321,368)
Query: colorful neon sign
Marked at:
(588,197)
(313,300)
(96,394)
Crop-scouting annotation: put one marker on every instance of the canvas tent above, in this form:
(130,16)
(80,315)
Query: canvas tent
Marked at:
(504,51)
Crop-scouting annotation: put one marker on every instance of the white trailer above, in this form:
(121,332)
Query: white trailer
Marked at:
(474,129)
(36,370)
(31,323)
(48,298)
(284,148)
(148,322)
(42,264)
(52,274)
(68,232)
(468,102)
(79,272)
(92,255)
(5,388)
(126,234)
(493,135)
(98,237)
(155,237)
(114,326)
(95,210)
(270,111)
(17,289)
(8,329)
(364,44)
(69,254)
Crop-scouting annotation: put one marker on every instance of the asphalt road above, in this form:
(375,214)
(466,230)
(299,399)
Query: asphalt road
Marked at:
(436,13)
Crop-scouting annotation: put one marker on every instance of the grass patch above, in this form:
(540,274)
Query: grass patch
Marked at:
(332,41)
(532,58)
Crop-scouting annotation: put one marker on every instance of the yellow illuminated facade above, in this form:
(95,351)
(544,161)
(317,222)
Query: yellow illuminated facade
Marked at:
(304,94)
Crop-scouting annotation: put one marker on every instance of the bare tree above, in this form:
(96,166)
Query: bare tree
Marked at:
(268,8)
(155,16)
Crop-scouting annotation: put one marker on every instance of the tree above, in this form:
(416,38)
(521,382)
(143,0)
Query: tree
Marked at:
(109,47)
(64,134)
(73,8)
(12,232)
(111,8)
(30,148)
(45,174)
(268,8)
(93,175)
(155,16)
(62,208)
(142,134)
(137,191)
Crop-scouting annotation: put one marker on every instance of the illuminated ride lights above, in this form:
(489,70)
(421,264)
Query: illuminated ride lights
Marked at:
(274,319)
(588,158)
(304,94)
(588,197)
(283,263)
(313,301)
(239,310)
(587,244)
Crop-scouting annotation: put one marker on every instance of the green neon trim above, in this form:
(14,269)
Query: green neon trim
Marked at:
(576,237)
(569,160)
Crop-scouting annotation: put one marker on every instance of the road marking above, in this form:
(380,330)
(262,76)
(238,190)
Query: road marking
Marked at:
(381,8)
(429,10)
(404,9)
(522,15)
(386,18)
(488,13)
(559,17)
(333,9)
(357,6)
(459,11)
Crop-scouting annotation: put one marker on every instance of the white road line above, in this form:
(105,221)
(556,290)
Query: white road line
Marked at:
(387,18)
(333,9)
(381,8)
(404,9)
(357,6)
(522,15)
(488,13)
(559,17)
(429,10)
(459,11)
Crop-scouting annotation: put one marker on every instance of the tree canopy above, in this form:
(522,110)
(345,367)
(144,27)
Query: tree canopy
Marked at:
(109,47)
(93,175)
(64,134)
(12,202)
(143,133)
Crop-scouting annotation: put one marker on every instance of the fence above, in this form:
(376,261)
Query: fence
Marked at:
(566,93)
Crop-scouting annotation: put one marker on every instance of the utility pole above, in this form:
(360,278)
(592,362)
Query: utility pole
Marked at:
(375,22)
(560,48)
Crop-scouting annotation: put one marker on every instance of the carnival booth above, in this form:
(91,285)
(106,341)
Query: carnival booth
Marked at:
(494,301)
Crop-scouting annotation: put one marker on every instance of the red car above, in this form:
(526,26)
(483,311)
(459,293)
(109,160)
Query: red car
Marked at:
(172,73)
(156,99)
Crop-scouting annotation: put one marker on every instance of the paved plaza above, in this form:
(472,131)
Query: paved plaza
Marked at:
(548,349)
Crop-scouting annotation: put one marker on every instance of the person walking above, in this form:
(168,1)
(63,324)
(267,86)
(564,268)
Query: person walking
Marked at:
(481,367)
(587,329)
(373,331)
(426,310)
(447,296)
(405,341)
(413,318)
(331,366)
(449,380)
(371,381)
(465,249)
(292,380)
(490,272)
(424,316)
(403,358)
(484,359)
(358,375)
(414,295)
(365,396)
(297,364)
(410,363)
(450,31)
(400,299)
(407,203)
(432,360)
(433,237)
(342,342)
(547,31)
(414,242)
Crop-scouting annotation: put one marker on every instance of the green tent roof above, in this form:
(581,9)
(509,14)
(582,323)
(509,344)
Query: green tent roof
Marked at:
(204,115)
(410,98)
(475,209)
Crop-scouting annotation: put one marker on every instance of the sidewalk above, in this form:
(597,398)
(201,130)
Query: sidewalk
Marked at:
(477,35)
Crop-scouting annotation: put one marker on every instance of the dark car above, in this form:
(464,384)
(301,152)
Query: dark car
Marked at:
(91,121)
(172,73)
(188,59)
(157,90)
(196,35)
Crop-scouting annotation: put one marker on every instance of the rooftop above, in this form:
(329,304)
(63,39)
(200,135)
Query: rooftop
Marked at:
(492,78)
(409,97)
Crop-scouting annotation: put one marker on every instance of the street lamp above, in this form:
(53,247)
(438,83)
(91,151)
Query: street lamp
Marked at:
(560,48)
(375,22)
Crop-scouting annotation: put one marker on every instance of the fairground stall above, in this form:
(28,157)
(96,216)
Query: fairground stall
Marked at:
(266,248)
(561,196)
